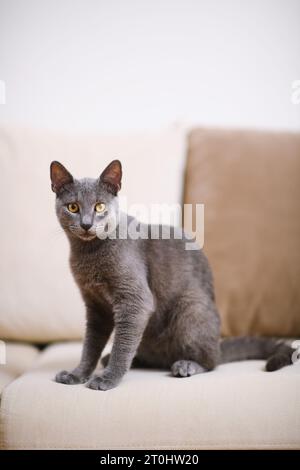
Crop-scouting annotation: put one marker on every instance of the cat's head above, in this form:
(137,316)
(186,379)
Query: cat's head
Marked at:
(87,206)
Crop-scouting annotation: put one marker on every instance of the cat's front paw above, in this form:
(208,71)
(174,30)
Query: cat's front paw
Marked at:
(102,382)
(65,377)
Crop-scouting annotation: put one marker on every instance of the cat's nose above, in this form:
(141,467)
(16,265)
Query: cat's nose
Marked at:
(85,226)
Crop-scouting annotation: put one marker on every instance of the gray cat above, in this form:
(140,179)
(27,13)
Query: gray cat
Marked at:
(156,295)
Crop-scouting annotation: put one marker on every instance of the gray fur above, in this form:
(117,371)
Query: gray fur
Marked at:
(157,296)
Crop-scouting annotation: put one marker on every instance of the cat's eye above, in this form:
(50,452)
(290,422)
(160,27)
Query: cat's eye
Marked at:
(99,207)
(73,207)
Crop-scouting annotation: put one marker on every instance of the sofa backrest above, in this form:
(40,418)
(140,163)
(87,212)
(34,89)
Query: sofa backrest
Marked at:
(39,301)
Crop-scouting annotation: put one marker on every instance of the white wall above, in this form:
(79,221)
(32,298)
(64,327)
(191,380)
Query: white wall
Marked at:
(130,64)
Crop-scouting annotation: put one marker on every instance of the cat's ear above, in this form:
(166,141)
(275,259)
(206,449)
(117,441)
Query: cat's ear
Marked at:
(112,176)
(59,176)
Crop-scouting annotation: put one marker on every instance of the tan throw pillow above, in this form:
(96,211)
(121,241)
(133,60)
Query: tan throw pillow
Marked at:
(249,182)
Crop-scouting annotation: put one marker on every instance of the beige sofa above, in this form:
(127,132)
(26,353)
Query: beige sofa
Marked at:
(249,183)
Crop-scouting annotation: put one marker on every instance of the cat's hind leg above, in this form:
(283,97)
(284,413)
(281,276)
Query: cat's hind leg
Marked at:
(193,335)
(188,344)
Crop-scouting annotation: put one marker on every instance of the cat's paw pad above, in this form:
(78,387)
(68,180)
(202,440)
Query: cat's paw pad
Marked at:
(65,377)
(185,368)
(103,383)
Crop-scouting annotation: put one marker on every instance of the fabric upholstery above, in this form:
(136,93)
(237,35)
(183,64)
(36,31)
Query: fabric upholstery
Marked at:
(237,406)
(249,183)
(39,301)
(19,357)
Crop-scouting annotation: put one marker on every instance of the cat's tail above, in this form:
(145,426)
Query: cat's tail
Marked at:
(278,353)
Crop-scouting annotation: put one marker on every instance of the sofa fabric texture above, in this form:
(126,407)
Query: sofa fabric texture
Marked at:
(237,406)
(18,358)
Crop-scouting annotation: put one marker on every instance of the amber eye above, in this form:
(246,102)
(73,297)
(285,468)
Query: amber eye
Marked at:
(99,207)
(73,207)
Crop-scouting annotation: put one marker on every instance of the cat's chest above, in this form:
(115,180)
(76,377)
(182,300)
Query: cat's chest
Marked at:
(93,277)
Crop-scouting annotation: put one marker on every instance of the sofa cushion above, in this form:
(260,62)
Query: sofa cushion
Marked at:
(39,301)
(19,358)
(250,184)
(237,406)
